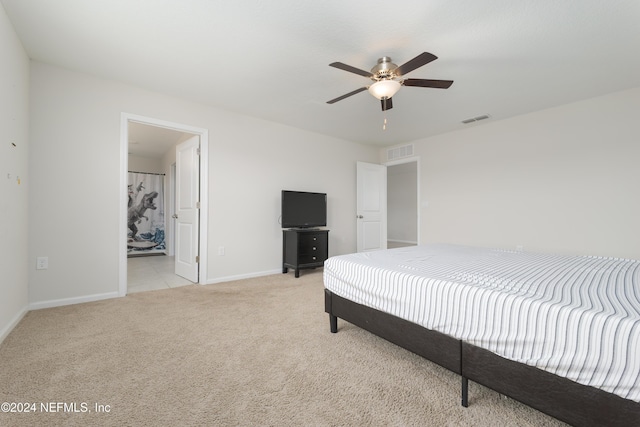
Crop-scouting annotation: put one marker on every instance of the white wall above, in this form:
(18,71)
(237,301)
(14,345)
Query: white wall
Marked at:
(14,126)
(75,131)
(564,179)
(145,164)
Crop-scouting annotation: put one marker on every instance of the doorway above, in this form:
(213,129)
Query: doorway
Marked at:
(403,203)
(128,123)
(151,242)
(387,207)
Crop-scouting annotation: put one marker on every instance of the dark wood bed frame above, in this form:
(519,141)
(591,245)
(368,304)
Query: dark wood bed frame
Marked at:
(559,397)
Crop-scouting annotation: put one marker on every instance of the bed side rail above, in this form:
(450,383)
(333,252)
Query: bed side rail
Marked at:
(566,400)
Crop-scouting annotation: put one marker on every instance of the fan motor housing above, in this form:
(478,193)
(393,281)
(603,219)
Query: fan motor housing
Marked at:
(384,69)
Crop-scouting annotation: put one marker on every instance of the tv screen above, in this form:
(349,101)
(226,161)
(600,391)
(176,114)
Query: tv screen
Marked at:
(302,209)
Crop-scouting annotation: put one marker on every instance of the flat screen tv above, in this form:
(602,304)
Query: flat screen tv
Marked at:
(301,209)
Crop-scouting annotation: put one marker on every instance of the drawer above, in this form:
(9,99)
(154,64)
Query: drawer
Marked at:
(313,248)
(306,239)
(310,258)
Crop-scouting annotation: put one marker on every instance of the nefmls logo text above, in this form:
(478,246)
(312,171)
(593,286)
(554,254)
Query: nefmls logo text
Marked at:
(64,407)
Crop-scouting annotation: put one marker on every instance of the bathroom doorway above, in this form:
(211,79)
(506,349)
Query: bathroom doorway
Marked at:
(150,144)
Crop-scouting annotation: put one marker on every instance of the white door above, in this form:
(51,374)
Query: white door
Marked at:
(371,205)
(187,209)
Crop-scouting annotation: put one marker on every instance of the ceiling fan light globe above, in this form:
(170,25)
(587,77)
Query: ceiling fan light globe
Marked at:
(384,88)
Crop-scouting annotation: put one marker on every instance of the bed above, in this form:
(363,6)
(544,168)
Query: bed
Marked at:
(558,333)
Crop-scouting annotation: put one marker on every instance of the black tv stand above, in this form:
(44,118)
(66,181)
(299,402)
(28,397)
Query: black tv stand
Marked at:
(304,248)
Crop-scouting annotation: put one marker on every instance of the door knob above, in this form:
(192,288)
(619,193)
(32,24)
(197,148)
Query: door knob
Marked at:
(174,216)
(359,216)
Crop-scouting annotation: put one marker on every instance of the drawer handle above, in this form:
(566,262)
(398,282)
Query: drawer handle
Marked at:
(315,238)
(314,248)
(313,258)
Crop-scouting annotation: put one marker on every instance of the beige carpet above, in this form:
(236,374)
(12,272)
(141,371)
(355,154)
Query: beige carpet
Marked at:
(251,352)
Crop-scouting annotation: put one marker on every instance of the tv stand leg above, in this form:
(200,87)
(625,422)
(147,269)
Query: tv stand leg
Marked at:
(297,272)
(285,270)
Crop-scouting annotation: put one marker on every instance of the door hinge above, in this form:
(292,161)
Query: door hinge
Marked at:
(197,205)
(197,259)
(198,151)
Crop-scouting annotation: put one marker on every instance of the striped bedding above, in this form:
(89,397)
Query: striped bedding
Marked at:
(574,316)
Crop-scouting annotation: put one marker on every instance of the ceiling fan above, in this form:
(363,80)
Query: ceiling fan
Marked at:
(386,77)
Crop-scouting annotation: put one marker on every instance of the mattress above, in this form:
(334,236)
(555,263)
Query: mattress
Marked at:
(574,316)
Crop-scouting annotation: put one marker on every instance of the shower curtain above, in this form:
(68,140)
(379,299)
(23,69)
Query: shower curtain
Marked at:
(145,214)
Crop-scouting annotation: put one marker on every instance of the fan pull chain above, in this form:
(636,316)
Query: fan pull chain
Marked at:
(384,124)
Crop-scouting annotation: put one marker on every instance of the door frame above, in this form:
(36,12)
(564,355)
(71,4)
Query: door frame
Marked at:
(171,228)
(412,159)
(125,119)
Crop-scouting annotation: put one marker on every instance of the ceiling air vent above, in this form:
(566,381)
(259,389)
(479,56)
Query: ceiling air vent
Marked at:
(400,152)
(476,119)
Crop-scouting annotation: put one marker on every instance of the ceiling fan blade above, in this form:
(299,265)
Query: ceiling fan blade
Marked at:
(350,69)
(423,59)
(438,84)
(340,98)
(387,104)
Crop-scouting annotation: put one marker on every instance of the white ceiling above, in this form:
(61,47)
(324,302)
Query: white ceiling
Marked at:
(269,59)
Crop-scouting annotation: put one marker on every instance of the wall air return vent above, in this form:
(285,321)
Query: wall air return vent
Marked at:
(476,119)
(400,152)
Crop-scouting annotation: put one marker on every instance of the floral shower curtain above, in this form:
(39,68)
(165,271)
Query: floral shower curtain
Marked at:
(145,215)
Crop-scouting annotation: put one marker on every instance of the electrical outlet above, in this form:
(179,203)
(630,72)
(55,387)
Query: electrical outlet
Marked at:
(221,250)
(42,263)
(519,248)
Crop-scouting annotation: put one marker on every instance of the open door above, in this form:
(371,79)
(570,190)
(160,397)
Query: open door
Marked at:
(187,208)
(371,205)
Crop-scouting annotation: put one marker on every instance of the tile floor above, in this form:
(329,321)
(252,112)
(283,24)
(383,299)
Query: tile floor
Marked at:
(148,273)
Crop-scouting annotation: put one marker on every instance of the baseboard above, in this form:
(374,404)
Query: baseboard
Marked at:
(408,242)
(12,324)
(69,301)
(243,276)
